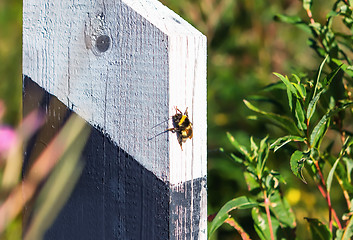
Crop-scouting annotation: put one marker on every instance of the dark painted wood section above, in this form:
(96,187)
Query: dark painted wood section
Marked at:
(186,207)
(115,197)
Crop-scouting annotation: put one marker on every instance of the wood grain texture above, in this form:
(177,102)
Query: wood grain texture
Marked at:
(156,61)
(123,66)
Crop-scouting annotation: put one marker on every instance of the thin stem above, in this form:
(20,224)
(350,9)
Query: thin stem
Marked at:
(329,211)
(310,15)
(267,208)
(325,194)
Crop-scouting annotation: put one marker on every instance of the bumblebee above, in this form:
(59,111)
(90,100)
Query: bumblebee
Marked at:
(182,126)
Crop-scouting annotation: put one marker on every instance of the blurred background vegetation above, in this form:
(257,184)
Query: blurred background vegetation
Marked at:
(10,58)
(245,45)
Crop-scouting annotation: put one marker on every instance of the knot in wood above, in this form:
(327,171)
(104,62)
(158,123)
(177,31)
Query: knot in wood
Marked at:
(103,43)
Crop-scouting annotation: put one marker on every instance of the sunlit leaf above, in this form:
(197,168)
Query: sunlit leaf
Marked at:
(297,161)
(254,147)
(320,129)
(299,115)
(280,142)
(330,175)
(232,156)
(290,88)
(346,68)
(262,156)
(241,149)
(317,80)
(349,166)
(223,214)
(307,4)
(236,159)
(326,82)
(300,87)
(281,121)
(312,105)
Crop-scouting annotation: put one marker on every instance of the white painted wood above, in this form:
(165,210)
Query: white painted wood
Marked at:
(155,62)
(146,57)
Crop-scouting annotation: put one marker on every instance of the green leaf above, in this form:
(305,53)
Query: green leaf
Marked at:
(297,161)
(339,234)
(223,214)
(346,68)
(312,106)
(347,143)
(319,231)
(241,149)
(320,129)
(299,115)
(254,147)
(347,233)
(262,156)
(300,87)
(297,21)
(316,83)
(251,181)
(282,211)
(288,19)
(280,142)
(281,121)
(307,4)
(328,79)
(261,224)
(290,88)
(236,159)
(349,166)
(345,146)
(232,156)
(330,175)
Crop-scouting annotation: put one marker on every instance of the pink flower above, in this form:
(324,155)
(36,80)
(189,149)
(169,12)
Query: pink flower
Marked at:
(7,139)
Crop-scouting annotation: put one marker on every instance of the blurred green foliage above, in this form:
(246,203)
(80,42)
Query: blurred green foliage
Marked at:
(10,58)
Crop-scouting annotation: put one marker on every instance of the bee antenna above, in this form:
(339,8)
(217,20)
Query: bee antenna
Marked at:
(160,123)
(149,139)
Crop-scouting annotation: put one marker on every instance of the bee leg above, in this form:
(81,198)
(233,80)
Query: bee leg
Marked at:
(177,110)
(171,129)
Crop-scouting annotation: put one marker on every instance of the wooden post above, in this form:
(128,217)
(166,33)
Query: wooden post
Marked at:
(123,66)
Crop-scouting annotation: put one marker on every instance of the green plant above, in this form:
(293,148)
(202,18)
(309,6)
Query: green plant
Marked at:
(314,133)
(266,203)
